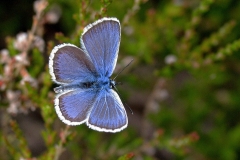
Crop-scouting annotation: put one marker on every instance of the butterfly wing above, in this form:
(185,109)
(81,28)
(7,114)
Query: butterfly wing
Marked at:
(108,113)
(73,107)
(70,64)
(101,41)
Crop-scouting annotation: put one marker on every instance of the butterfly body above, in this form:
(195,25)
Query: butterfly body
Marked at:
(86,92)
(105,83)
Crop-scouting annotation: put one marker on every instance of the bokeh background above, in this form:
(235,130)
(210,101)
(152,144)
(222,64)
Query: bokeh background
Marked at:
(183,85)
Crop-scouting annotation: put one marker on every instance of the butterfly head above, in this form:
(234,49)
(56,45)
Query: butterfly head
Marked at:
(112,84)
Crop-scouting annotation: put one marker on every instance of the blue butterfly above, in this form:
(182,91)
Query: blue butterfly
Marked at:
(86,94)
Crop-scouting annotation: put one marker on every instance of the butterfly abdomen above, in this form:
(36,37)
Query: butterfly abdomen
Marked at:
(68,87)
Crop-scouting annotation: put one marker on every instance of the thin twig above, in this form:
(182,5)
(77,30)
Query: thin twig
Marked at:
(132,11)
(36,21)
(59,148)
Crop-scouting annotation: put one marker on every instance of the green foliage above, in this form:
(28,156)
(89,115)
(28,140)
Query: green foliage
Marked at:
(183,85)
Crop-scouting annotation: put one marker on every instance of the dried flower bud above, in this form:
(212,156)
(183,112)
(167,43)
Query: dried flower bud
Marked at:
(4,56)
(21,58)
(13,98)
(53,15)
(170,59)
(8,71)
(21,41)
(39,6)
(128,30)
(39,43)
(30,80)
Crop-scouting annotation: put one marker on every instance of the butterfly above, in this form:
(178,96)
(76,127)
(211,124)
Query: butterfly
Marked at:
(86,93)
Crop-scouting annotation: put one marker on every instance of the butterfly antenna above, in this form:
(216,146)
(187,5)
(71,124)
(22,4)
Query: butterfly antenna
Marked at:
(129,108)
(121,96)
(123,69)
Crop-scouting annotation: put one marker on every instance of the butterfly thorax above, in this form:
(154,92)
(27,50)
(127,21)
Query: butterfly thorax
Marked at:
(105,83)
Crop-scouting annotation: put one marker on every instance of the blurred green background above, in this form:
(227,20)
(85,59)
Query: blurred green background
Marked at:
(183,85)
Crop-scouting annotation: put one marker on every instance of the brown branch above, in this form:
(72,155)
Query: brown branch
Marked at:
(63,136)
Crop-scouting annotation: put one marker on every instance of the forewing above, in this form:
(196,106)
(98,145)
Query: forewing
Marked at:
(68,64)
(108,113)
(73,107)
(101,41)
